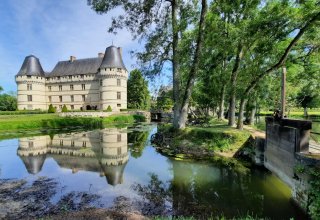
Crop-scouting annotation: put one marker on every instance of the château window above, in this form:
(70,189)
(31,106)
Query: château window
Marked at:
(82,76)
(61,142)
(58,77)
(83,98)
(72,142)
(119,150)
(60,98)
(29,86)
(118,105)
(72,98)
(71,87)
(49,98)
(70,77)
(118,95)
(118,82)
(72,107)
(101,83)
(60,87)
(31,144)
(29,77)
(49,88)
(84,144)
(119,69)
(83,86)
(118,137)
(29,98)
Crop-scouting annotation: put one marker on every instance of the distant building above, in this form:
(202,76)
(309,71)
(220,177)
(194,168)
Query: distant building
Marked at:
(92,83)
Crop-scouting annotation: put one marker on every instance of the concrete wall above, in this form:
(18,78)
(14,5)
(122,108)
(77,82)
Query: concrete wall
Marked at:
(286,141)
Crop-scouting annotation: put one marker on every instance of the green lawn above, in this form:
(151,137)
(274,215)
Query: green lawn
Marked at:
(25,121)
(37,121)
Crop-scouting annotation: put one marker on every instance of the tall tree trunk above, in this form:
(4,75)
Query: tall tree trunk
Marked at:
(305,112)
(175,65)
(233,80)
(182,118)
(252,115)
(241,110)
(221,104)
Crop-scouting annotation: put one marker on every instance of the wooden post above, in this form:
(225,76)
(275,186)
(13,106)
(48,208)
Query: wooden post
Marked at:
(283,91)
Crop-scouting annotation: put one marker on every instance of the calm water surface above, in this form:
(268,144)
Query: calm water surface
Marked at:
(120,164)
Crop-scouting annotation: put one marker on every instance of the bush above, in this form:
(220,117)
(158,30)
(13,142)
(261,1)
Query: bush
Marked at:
(51,109)
(64,108)
(109,109)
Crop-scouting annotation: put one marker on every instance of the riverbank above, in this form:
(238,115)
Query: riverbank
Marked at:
(201,142)
(24,124)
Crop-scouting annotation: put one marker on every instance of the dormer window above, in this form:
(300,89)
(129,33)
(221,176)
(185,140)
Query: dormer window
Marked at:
(82,76)
(29,77)
(70,77)
(58,77)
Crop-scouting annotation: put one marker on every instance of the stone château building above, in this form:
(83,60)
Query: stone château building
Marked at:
(91,83)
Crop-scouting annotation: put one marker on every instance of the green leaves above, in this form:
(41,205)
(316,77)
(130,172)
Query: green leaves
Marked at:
(138,93)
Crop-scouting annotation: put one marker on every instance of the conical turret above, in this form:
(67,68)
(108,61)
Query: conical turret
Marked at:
(112,58)
(31,67)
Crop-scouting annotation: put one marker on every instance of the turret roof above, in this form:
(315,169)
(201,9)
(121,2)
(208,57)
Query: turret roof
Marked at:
(113,58)
(31,67)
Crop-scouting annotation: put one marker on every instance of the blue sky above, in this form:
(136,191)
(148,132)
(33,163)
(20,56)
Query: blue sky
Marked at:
(53,30)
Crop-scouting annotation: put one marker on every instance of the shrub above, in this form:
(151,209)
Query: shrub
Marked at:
(51,109)
(64,108)
(109,109)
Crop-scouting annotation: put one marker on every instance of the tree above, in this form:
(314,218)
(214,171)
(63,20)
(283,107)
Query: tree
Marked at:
(64,108)
(138,93)
(164,99)
(8,102)
(163,24)
(51,109)
(1,89)
(109,109)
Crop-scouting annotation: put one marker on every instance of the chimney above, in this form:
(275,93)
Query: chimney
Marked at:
(101,55)
(120,50)
(72,58)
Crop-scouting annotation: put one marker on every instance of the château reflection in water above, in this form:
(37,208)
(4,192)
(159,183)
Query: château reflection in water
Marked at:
(102,151)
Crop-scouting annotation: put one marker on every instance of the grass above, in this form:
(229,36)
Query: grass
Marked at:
(123,119)
(28,124)
(216,137)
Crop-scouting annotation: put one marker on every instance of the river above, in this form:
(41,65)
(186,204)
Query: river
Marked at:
(118,168)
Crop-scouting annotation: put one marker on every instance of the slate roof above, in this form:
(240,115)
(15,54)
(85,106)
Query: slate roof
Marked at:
(112,58)
(76,67)
(31,67)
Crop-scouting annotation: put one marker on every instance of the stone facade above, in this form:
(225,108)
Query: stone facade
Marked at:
(93,83)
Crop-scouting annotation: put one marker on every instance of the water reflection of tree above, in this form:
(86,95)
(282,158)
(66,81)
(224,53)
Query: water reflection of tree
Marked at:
(205,190)
(201,191)
(138,140)
(156,197)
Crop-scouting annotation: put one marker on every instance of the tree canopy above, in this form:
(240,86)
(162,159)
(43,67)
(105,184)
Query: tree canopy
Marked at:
(225,54)
(138,93)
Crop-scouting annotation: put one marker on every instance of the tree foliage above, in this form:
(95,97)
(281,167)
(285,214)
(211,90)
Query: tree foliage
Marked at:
(8,102)
(233,51)
(138,93)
